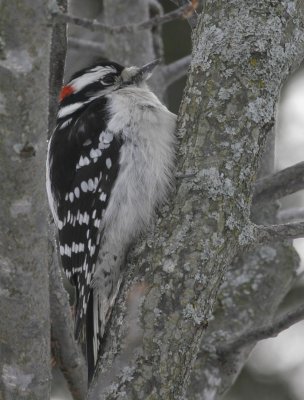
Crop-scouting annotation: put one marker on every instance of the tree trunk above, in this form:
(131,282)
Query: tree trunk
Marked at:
(242,53)
(24,292)
(254,286)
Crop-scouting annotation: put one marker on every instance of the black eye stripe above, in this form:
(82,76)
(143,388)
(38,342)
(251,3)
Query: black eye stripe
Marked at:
(108,79)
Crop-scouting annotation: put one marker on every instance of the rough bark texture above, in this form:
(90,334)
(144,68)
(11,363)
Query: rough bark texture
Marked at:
(254,286)
(24,293)
(243,52)
(68,354)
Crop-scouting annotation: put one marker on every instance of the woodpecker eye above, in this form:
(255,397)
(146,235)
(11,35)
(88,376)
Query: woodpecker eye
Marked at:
(109,79)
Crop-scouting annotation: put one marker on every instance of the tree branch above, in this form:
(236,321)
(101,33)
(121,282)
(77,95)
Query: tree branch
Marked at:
(273,233)
(191,246)
(176,70)
(95,25)
(193,18)
(89,44)
(291,215)
(68,354)
(156,9)
(264,332)
(56,66)
(280,184)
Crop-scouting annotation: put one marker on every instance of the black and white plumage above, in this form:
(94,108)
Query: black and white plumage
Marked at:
(109,165)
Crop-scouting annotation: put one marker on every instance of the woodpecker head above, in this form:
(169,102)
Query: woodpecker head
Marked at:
(100,79)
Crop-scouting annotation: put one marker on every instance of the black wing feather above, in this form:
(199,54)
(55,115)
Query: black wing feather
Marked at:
(83,175)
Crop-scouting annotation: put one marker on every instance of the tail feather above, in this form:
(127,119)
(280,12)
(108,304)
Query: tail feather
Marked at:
(95,327)
(81,310)
(90,353)
(90,333)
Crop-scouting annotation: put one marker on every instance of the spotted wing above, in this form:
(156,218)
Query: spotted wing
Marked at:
(95,153)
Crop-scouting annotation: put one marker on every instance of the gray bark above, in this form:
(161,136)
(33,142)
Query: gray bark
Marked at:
(24,293)
(57,62)
(243,52)
(66,351)
(158,341)
(254,286)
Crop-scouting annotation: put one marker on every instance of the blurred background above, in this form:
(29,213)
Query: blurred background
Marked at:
(275,368)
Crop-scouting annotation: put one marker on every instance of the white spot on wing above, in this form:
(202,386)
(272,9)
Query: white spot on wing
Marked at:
(107,137)
(90,185)
(103,197)
(97,223)
(86,218)
(92,153)
(84,186)
(108,163)
(67,250)
(92,250)
(102,145)
(80,163)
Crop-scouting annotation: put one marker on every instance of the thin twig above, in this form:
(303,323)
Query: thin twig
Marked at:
(185,176)
(95,25)
(193,17)
(56,65)
(275,233)
(156,9)
(89,44)
(291,215)
(253,235)
(68,355)
(175,70)
(254,335)
(280,184)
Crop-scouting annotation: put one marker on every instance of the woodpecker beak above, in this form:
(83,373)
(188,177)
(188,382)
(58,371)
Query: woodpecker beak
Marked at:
(145,72)
(137,75)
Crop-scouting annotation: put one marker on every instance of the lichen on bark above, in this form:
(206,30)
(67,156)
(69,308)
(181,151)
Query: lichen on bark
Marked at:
(242,53)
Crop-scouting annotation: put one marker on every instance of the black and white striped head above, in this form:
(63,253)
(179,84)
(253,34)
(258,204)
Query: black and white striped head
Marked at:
(99,80)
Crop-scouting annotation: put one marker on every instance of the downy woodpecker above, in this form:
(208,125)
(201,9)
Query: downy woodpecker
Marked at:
(109,165)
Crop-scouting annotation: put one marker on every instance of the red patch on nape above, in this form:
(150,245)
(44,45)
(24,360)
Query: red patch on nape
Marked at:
(66,91)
